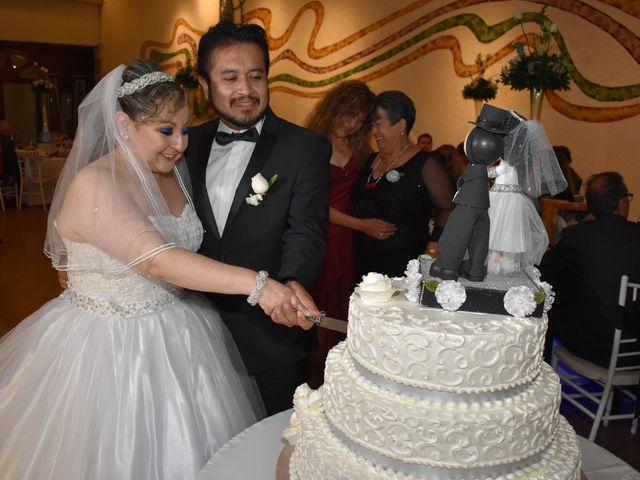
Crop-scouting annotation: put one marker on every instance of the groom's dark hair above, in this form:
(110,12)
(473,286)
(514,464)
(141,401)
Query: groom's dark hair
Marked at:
(227,33)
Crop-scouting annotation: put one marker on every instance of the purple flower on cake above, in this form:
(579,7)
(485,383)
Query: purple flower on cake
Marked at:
(450,294)
(519,301)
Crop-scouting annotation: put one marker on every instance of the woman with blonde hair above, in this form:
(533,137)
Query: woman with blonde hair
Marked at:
(341,115)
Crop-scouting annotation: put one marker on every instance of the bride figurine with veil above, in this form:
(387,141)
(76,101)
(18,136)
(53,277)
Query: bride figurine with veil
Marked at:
(528,170)
(128,375)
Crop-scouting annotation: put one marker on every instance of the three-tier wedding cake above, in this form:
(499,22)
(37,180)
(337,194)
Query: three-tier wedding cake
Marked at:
(424,393)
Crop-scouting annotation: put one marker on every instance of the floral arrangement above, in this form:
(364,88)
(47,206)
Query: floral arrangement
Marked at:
(41,82)
(537,68)
(480,88)
(186,76)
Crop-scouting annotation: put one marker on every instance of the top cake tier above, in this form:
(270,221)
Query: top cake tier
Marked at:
(459,352)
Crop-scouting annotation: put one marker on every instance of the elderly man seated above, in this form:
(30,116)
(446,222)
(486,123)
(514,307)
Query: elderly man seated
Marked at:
(585,269)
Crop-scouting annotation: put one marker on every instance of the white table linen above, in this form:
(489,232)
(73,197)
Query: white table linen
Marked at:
(253,453)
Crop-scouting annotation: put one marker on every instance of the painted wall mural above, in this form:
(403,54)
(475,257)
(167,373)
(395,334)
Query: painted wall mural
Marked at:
(418,36)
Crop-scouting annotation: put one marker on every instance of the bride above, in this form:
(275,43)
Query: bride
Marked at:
(126,375)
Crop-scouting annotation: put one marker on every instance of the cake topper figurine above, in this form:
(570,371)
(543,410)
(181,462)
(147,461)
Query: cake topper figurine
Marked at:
(468,226)
(529,169)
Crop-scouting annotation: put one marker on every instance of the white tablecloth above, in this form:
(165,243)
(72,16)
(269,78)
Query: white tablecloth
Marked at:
(252,454)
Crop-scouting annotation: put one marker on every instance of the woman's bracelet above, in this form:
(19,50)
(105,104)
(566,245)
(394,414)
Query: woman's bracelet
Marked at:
(256,292)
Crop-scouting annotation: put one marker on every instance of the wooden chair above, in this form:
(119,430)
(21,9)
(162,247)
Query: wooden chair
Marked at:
(32,181)
(551,208)
(623,370)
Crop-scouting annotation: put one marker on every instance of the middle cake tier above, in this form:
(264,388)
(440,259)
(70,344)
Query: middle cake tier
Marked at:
(435,428)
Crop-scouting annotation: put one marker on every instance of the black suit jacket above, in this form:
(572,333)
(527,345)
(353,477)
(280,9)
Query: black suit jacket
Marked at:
(473,187)
(284,235)
(584,270)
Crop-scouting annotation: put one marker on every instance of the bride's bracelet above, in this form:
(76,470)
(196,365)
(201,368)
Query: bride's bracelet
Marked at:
(256,292)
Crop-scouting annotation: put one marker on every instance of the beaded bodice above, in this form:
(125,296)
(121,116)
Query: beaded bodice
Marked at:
(119,292)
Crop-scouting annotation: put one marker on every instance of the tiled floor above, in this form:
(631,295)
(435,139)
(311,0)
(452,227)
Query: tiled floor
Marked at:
(27,281)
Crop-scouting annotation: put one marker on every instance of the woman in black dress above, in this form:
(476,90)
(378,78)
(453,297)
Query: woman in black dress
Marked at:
(402,185)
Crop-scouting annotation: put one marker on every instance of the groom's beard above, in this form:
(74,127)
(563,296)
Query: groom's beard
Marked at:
(243,121)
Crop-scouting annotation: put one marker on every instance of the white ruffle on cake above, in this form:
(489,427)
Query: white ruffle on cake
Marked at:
(425,394)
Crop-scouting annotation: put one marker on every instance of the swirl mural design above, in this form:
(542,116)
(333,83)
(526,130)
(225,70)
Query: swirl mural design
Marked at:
(419,37)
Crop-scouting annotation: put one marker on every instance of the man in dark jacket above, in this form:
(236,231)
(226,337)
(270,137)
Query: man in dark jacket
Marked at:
(585,269)
(278,227)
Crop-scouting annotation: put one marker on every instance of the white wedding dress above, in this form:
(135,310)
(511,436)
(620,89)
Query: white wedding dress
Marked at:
(121,377)
(517,235)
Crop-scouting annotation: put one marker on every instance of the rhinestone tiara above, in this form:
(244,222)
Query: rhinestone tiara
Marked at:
(141,82)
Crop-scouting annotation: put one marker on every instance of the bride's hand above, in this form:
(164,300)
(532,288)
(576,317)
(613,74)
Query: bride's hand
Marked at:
(281,304)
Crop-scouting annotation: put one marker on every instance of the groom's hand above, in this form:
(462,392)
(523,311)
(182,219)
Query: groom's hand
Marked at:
(305,305)
(294,313)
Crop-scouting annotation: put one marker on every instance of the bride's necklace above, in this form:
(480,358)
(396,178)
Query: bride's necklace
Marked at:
(371,183)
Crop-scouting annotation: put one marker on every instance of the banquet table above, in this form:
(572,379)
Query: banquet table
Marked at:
(253,453)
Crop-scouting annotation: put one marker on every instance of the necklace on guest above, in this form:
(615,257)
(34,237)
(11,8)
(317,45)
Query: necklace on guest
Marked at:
(371,183)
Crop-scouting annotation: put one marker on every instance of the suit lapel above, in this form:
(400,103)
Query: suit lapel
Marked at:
(200,182)
(261,153)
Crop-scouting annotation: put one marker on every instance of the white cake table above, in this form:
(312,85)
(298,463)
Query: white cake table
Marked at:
(253,453)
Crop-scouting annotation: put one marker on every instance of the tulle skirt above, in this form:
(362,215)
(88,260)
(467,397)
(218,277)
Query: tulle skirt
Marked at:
(517,237)
(148,397)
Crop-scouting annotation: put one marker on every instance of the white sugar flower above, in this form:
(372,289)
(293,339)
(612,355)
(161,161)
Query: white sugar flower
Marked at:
(306,400)
(549,296)
(413,281)
(450,294)
(413,268)
(519,301)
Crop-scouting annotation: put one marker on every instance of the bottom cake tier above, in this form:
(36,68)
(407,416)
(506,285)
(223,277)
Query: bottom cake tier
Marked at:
(323,453)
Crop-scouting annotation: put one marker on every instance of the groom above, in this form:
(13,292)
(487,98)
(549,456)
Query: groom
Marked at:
(283,232)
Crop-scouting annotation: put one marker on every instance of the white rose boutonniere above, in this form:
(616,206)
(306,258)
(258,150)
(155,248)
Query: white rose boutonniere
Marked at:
(260,187)
(393,176)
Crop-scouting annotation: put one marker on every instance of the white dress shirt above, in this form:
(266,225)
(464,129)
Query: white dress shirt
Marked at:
(225,168)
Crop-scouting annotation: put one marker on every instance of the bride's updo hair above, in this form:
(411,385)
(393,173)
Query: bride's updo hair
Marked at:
(155,99)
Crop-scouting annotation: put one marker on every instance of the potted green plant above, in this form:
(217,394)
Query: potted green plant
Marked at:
(480,89)
(186,76)
(538,68)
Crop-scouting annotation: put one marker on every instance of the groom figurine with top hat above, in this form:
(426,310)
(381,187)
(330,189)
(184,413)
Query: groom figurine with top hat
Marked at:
(467,228)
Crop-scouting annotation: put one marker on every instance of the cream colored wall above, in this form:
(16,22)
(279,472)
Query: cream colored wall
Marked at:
(429,80)
(50,21)
(126,25)
(436,90)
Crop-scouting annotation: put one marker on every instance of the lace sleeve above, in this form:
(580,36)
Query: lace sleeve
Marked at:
(117,226)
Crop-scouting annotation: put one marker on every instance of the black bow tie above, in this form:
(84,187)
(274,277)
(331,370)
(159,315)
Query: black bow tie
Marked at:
(224,138)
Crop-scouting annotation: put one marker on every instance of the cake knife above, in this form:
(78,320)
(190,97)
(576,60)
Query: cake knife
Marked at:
(329,322)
